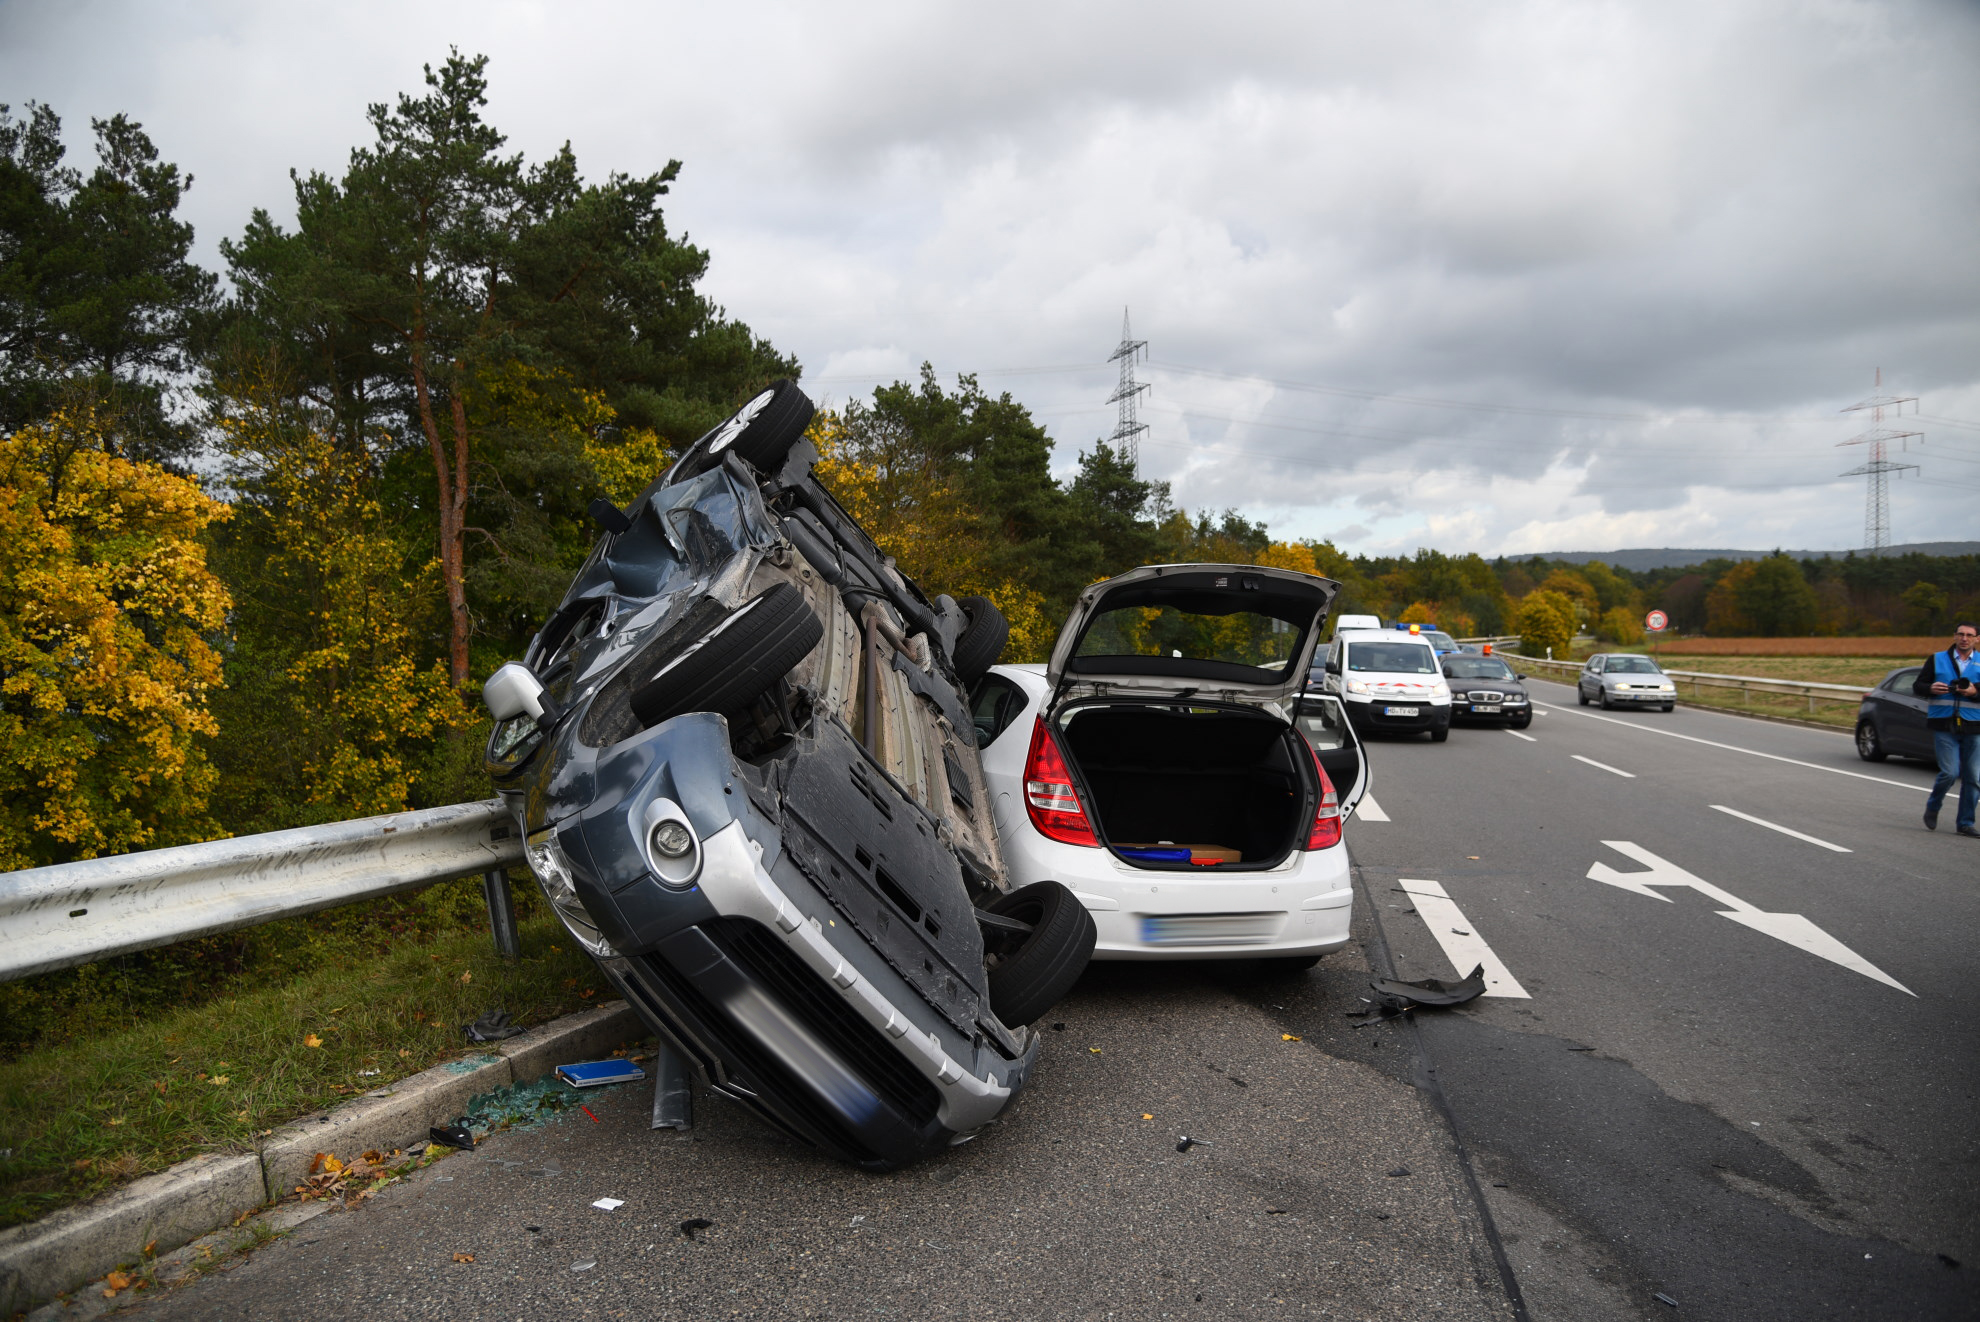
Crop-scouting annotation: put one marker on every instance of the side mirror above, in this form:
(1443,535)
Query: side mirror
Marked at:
(1333,667)
(514,690)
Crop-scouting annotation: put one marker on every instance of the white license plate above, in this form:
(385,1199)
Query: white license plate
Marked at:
(1401,711)
(1487,710)
(1210,929)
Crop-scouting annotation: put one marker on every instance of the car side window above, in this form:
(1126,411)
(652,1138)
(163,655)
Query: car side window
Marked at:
(993,704)
(1902,681)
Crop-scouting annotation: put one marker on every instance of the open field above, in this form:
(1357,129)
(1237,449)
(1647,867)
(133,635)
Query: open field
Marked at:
(84,1115)
(1889,646)
(1864,670)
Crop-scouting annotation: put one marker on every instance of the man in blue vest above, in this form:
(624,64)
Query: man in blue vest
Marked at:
(1950,680)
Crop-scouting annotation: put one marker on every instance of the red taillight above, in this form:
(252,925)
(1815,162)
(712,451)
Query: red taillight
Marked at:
(1049,795)
(1326,831)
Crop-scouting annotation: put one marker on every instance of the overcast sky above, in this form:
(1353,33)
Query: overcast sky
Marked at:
(1505,278)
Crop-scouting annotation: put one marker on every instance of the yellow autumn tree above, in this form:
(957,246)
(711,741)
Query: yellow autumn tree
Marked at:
(106,606)
(919,520)
(341,614)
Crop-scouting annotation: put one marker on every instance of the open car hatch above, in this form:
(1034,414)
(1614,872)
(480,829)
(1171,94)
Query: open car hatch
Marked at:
(1236,632)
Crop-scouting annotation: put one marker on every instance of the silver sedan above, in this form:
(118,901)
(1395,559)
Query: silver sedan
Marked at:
(1624,679)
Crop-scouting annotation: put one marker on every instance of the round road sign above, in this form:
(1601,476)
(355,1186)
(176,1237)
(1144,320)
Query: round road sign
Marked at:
(1656,621)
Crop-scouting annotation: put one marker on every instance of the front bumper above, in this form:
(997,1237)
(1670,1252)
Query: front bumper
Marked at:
(1640,697)
(1490,713)
(773,997)
(1375,713)
(1303,907)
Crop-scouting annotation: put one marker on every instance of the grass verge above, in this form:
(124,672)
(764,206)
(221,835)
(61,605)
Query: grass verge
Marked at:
(83,1115)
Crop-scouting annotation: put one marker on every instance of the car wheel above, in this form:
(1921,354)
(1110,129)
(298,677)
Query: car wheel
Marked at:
(1581,694)
(734,663)
(1868,746)
(1284,966)
(1035,969)
(1439,733)
(982,640)
(764,430)
(1521,722)
(1669,706)
(1602,700)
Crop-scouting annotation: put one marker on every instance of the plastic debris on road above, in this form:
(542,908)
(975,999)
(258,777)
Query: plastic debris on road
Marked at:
(491,1027)
(1399,1172)
(1433,991)
(609,1204)
(694,1223)
(1665,1299)
(454,1136)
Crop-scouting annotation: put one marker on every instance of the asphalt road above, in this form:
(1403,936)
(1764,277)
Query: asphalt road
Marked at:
(1744,1116)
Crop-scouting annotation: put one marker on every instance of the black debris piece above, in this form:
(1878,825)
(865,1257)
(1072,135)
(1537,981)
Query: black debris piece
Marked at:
(692,1224)
(491,1027)
(1239,1082)
(1498,1184)
(1186,1144)
(534,1230)
(1382,1216)
(456,1135)
(1399,1172)
(1433,991)
(1058,1028)
(1581,1048)
(1951,1263)
(1275,1211)
(1665,1299)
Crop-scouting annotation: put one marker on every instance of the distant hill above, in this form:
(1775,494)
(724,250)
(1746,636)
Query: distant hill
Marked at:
(1666,557)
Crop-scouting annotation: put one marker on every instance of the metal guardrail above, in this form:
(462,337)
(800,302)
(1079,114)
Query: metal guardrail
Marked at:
(1747,685)
(74,913)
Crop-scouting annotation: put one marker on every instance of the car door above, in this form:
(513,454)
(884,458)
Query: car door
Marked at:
(1589,681)
(1324,722)
(1904,712)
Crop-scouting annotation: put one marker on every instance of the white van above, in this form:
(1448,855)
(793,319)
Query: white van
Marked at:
(1347,622)
(1389,681)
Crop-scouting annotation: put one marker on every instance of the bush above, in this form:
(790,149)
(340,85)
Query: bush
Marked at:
(1620,626)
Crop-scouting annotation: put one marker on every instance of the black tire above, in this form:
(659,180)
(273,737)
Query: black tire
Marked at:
(1285,966)
(1439,733)
(764,430)
(1669,706)
(1041,966)
(734,663)
(1869,746)
(1522,722)
(982,639)
(1581,695)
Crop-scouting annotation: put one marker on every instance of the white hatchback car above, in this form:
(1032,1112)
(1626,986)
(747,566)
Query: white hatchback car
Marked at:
(1165,767)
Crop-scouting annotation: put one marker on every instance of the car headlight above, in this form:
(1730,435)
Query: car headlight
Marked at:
(1440,690)
(1357,686)
(1514,699)
(553,874)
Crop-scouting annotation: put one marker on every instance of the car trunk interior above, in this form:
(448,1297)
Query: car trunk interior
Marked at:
(1223,778)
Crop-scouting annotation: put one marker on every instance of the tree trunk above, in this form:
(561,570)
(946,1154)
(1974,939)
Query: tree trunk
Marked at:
(450,488)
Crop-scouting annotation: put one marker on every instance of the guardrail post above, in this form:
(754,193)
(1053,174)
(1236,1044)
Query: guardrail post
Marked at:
(501,912)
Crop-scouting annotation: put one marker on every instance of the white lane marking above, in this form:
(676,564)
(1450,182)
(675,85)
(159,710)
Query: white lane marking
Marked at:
(1776,826)
(1750,752)
(1517,735)
(1618,771)
(1370,811)
(1789,927)
(1463,947)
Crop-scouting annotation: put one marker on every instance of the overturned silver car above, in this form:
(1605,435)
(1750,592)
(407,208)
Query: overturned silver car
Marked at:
(742,758)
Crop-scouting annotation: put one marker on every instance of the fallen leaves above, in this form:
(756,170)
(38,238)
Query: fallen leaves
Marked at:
(219,1080)
(114,1282)
(463,1257)
(587,993)
(467,977)
(312,1040)
(159,1086)
(1145,1115)
(1291,1037)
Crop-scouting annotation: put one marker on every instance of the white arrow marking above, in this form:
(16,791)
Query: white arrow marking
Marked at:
(1789,927)
(1370,811)
(1462,945)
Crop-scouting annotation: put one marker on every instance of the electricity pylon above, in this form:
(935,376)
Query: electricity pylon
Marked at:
(1877,497)
(1126,439)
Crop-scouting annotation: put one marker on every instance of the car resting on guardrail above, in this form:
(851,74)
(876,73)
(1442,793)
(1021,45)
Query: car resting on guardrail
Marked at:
(747,779)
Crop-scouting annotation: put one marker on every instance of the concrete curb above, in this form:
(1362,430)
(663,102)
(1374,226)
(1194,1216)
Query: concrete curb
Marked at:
(164,1211)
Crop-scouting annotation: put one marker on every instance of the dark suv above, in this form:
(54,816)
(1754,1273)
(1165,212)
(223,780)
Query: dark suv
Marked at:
(747,779)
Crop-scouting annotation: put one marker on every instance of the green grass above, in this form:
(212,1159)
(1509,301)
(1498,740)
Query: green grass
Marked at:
(1866,671)
(83,1113)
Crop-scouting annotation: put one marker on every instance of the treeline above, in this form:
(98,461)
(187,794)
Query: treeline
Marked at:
(261,537)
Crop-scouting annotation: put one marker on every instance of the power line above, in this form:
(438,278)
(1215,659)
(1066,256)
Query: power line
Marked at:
(1877,472)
